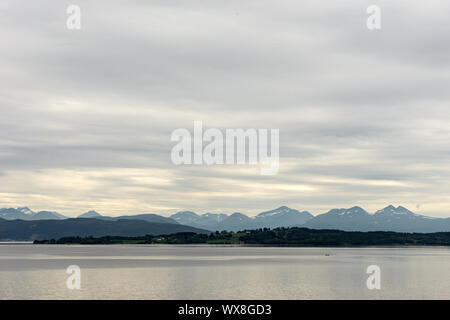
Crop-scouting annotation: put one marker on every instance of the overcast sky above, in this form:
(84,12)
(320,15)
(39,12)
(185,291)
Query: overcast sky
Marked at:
(86,115)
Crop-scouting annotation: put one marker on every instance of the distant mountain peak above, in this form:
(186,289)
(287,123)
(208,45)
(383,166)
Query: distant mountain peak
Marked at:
(26,210)
(404,210)
(280,210)
(44,215)
(185,217)
(90,214)
(237,217)
(355,210)
(187,213)
(390,209)
(238,214)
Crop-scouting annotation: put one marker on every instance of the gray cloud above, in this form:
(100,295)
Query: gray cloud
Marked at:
(86,116)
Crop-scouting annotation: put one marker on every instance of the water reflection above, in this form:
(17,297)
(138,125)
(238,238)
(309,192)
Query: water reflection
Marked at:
(219,272)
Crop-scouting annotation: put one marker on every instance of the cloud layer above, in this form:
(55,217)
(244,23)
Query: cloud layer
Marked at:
(86,115)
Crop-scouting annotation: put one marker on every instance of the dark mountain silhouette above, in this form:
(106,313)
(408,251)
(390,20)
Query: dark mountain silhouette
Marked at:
(149,217)
(84,227)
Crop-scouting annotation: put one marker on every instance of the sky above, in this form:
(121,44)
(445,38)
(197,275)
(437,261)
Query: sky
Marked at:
(87,115)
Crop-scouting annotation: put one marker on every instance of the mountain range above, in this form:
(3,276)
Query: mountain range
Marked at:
(281,217)
(390,218)
(21,230)
(398,219)
(25,213)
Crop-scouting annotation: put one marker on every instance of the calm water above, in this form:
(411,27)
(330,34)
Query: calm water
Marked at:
(221,272)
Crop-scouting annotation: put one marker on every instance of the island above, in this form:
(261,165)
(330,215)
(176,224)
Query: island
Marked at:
(273,237)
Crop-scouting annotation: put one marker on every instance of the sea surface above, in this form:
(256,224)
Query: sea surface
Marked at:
(30,271)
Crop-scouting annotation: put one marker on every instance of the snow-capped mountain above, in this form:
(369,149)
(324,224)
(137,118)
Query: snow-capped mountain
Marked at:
(211,219)
(26,210)
(280,217)
(25,213)
(389,218)
(395,212)
(12,214)
(351,219)
(279,211)
(208,221)
(185,217)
